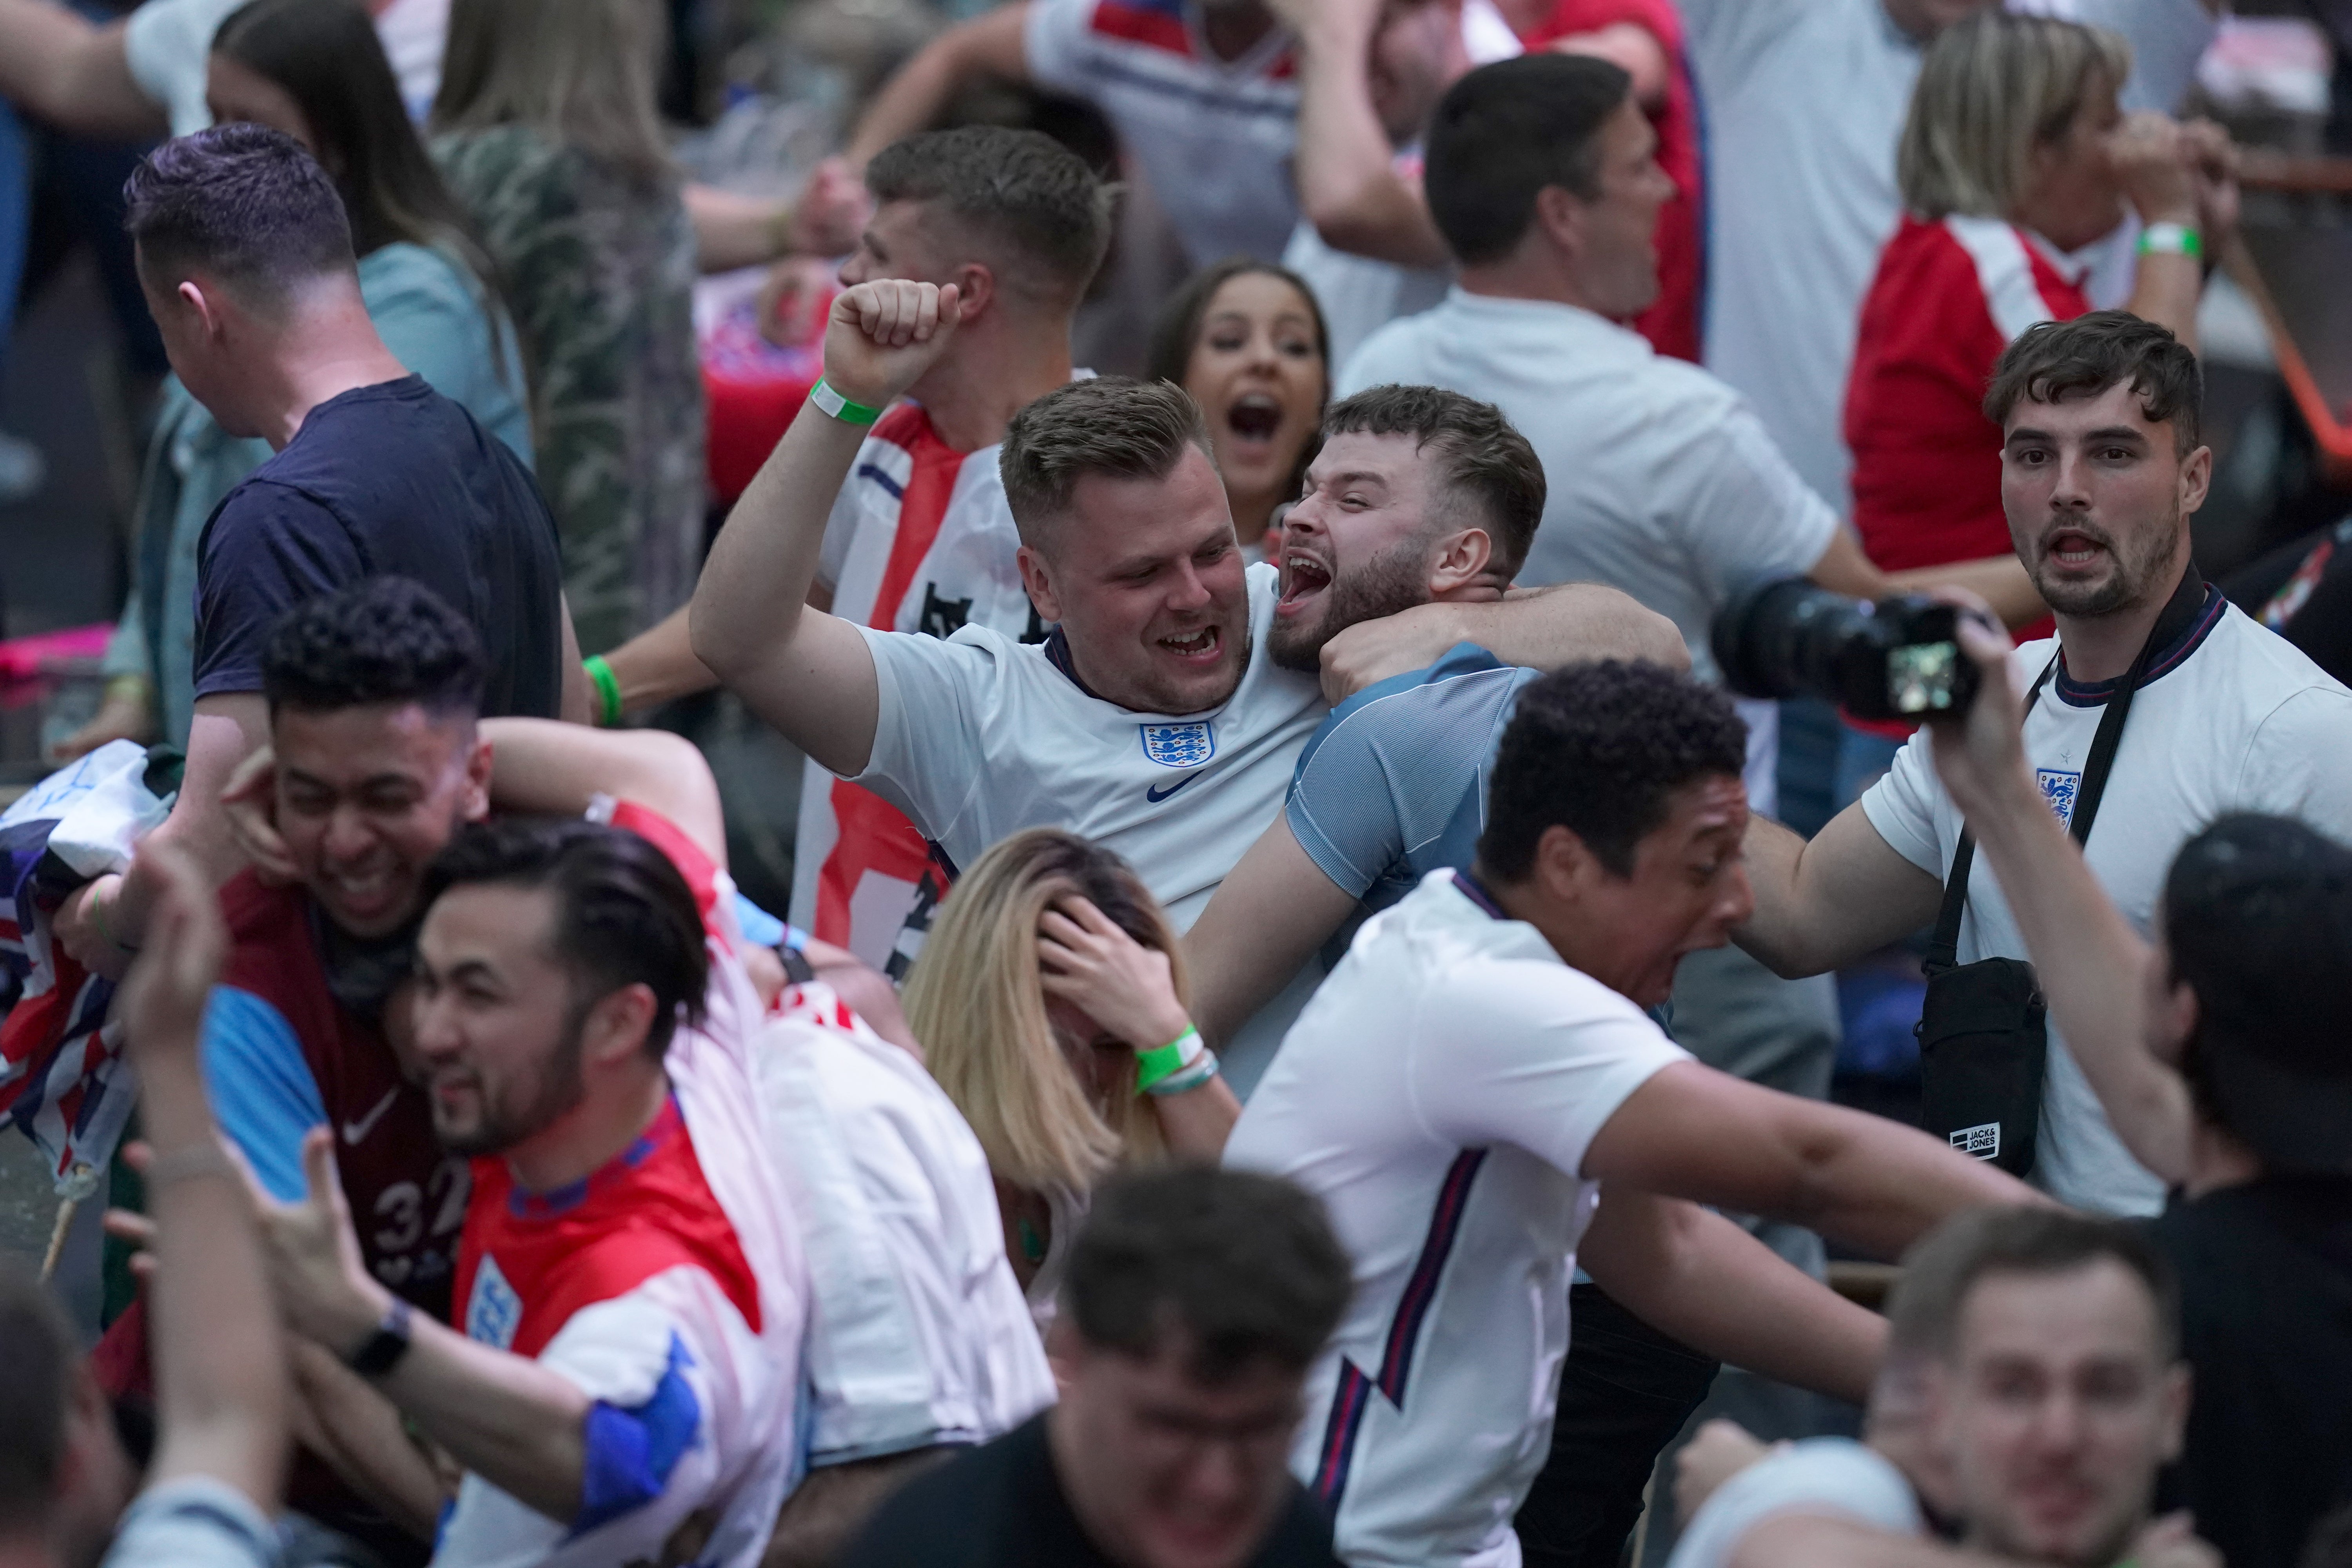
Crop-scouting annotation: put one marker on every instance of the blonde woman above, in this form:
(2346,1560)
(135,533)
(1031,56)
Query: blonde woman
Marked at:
(546,129)
(1050,1002)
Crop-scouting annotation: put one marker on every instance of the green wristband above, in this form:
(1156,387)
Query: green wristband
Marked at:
(2171,239)
(608,690)
(828,400)
(1161,1061)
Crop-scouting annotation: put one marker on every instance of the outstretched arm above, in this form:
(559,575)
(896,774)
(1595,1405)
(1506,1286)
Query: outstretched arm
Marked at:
(1347,183)
(60,67)
(220,1377)
(1999,579)
(987,46)
(1825,901)
(1541,628)
(2086,956)
(1701,1279)
(805,672)
(1270,915)
(1876,1185)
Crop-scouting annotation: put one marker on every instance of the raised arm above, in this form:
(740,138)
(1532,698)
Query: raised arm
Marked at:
(556,770)
(1347,183)
(1872,1183)
(1695,1275)
(2089,961)
(987,46)
(1827,901)
(805,672)
(1269,916)
(60,66)
(1541,628)
(220,1376)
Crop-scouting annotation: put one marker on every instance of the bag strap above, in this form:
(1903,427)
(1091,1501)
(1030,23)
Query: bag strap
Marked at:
(1943,948)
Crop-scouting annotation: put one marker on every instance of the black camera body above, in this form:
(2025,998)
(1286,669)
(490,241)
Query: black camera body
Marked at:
(1899,659)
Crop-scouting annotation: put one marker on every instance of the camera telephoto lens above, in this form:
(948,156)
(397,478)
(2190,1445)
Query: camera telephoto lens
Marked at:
(1899,659)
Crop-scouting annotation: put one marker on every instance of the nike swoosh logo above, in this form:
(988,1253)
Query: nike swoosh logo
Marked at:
(355,1131)
(1156,795)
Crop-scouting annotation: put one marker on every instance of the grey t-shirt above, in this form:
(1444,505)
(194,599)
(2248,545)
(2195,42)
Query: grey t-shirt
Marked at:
(1832,1476)
(1393,784)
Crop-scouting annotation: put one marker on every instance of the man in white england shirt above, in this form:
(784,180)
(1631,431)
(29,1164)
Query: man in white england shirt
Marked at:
(2101,469)
(1153,720)
(1479,1072)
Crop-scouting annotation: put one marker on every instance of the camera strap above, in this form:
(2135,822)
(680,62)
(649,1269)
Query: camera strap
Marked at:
(2180,611)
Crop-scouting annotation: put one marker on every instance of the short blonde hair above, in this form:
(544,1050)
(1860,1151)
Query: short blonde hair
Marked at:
(1992,88)
(974,1001)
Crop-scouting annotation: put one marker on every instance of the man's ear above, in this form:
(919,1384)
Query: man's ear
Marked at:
(2196,479)
(975,289)
(2179,1382)
(1564,868)
(1460,561)
(2176,1020)
(616,1026)
(475,804)
(1037,577)
(206,306)
(1560,214)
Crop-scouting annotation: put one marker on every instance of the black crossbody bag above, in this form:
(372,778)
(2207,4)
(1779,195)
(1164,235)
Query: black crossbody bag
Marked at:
(1984,1033)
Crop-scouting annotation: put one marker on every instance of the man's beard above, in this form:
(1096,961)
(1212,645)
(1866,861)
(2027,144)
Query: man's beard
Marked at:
(1395,579)
(560,1086)
(2137,565)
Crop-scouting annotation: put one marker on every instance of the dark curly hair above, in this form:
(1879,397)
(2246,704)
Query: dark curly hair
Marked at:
(1598,749)
(624,915)
(384,639)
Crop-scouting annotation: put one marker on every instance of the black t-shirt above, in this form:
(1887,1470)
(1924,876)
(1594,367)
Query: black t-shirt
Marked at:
(2266,1323)
(389,479)
(1001,1506)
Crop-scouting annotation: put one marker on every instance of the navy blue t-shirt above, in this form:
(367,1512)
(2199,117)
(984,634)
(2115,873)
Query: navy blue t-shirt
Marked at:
(393,480)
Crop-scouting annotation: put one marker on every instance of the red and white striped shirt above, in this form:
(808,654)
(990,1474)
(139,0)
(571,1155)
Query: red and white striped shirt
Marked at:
(920,539)
(1948,297)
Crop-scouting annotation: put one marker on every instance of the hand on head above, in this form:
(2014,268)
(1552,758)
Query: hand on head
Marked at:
(881,336)
(1086,960)
(249,802)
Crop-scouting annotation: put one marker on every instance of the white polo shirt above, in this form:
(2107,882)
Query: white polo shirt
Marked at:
(980,736)
(2232,718)
(1660,478)
(1438,1095)
(918,1334)
(1213,137)
(1832,1478)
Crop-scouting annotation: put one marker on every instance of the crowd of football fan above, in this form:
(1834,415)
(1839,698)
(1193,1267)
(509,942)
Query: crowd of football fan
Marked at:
(1286,914)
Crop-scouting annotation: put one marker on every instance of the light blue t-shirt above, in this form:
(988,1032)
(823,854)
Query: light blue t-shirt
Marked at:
(1393,784)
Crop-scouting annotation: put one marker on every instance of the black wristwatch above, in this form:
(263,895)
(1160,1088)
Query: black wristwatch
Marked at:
(381,1351)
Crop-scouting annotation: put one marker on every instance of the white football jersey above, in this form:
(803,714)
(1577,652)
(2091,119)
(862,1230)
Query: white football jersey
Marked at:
(980,736)
(918,1335)
(920,539)
(1213,137)
(1438,1096)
